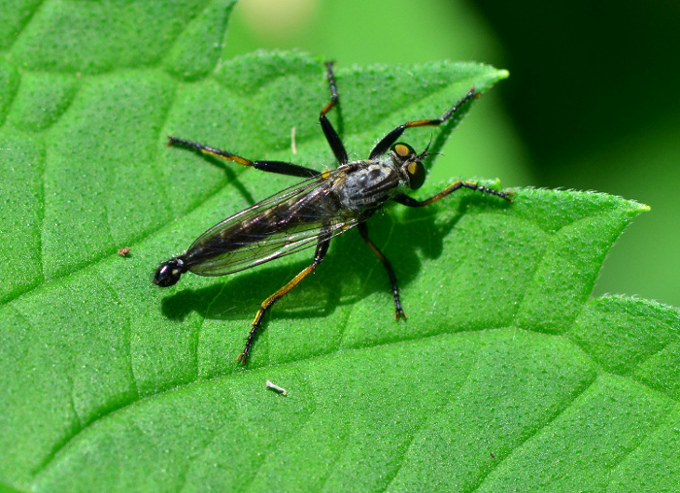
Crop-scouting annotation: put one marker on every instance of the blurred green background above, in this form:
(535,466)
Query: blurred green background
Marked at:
(592,101)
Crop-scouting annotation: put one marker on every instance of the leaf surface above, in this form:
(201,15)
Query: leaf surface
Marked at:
(504,377)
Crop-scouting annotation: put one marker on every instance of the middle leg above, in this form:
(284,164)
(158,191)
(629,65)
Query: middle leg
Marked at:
(331,135)
(363,231)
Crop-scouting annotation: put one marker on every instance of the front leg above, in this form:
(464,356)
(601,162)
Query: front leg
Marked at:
(386,142)
(411,202)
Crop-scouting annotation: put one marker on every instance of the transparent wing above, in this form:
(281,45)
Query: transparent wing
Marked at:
(285,223)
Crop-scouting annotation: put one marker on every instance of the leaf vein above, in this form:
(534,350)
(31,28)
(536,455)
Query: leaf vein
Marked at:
(293,433)
(536,432)
(199,330)
(26,22)
(422,423)
(128,325)
(621,459)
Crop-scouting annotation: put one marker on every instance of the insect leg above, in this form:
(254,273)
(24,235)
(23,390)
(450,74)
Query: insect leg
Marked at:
(381,147)
(280,167)
(363,231)
(411,202)
(331,135)
(321,249)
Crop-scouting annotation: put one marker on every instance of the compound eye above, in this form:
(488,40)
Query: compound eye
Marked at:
(416,174)
(403,150)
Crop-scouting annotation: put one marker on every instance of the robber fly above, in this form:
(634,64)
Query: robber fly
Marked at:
(312,212)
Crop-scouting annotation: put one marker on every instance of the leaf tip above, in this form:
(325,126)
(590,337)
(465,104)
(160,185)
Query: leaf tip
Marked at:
(638,207)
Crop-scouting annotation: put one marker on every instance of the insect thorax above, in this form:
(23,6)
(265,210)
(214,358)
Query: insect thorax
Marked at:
(369,184)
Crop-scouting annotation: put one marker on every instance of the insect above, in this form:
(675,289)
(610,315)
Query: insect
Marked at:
(314,211)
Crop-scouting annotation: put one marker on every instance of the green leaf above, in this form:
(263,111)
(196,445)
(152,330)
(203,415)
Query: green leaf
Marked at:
(504,377)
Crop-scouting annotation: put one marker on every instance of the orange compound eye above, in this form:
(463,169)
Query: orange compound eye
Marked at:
(416,174)
(402,150)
